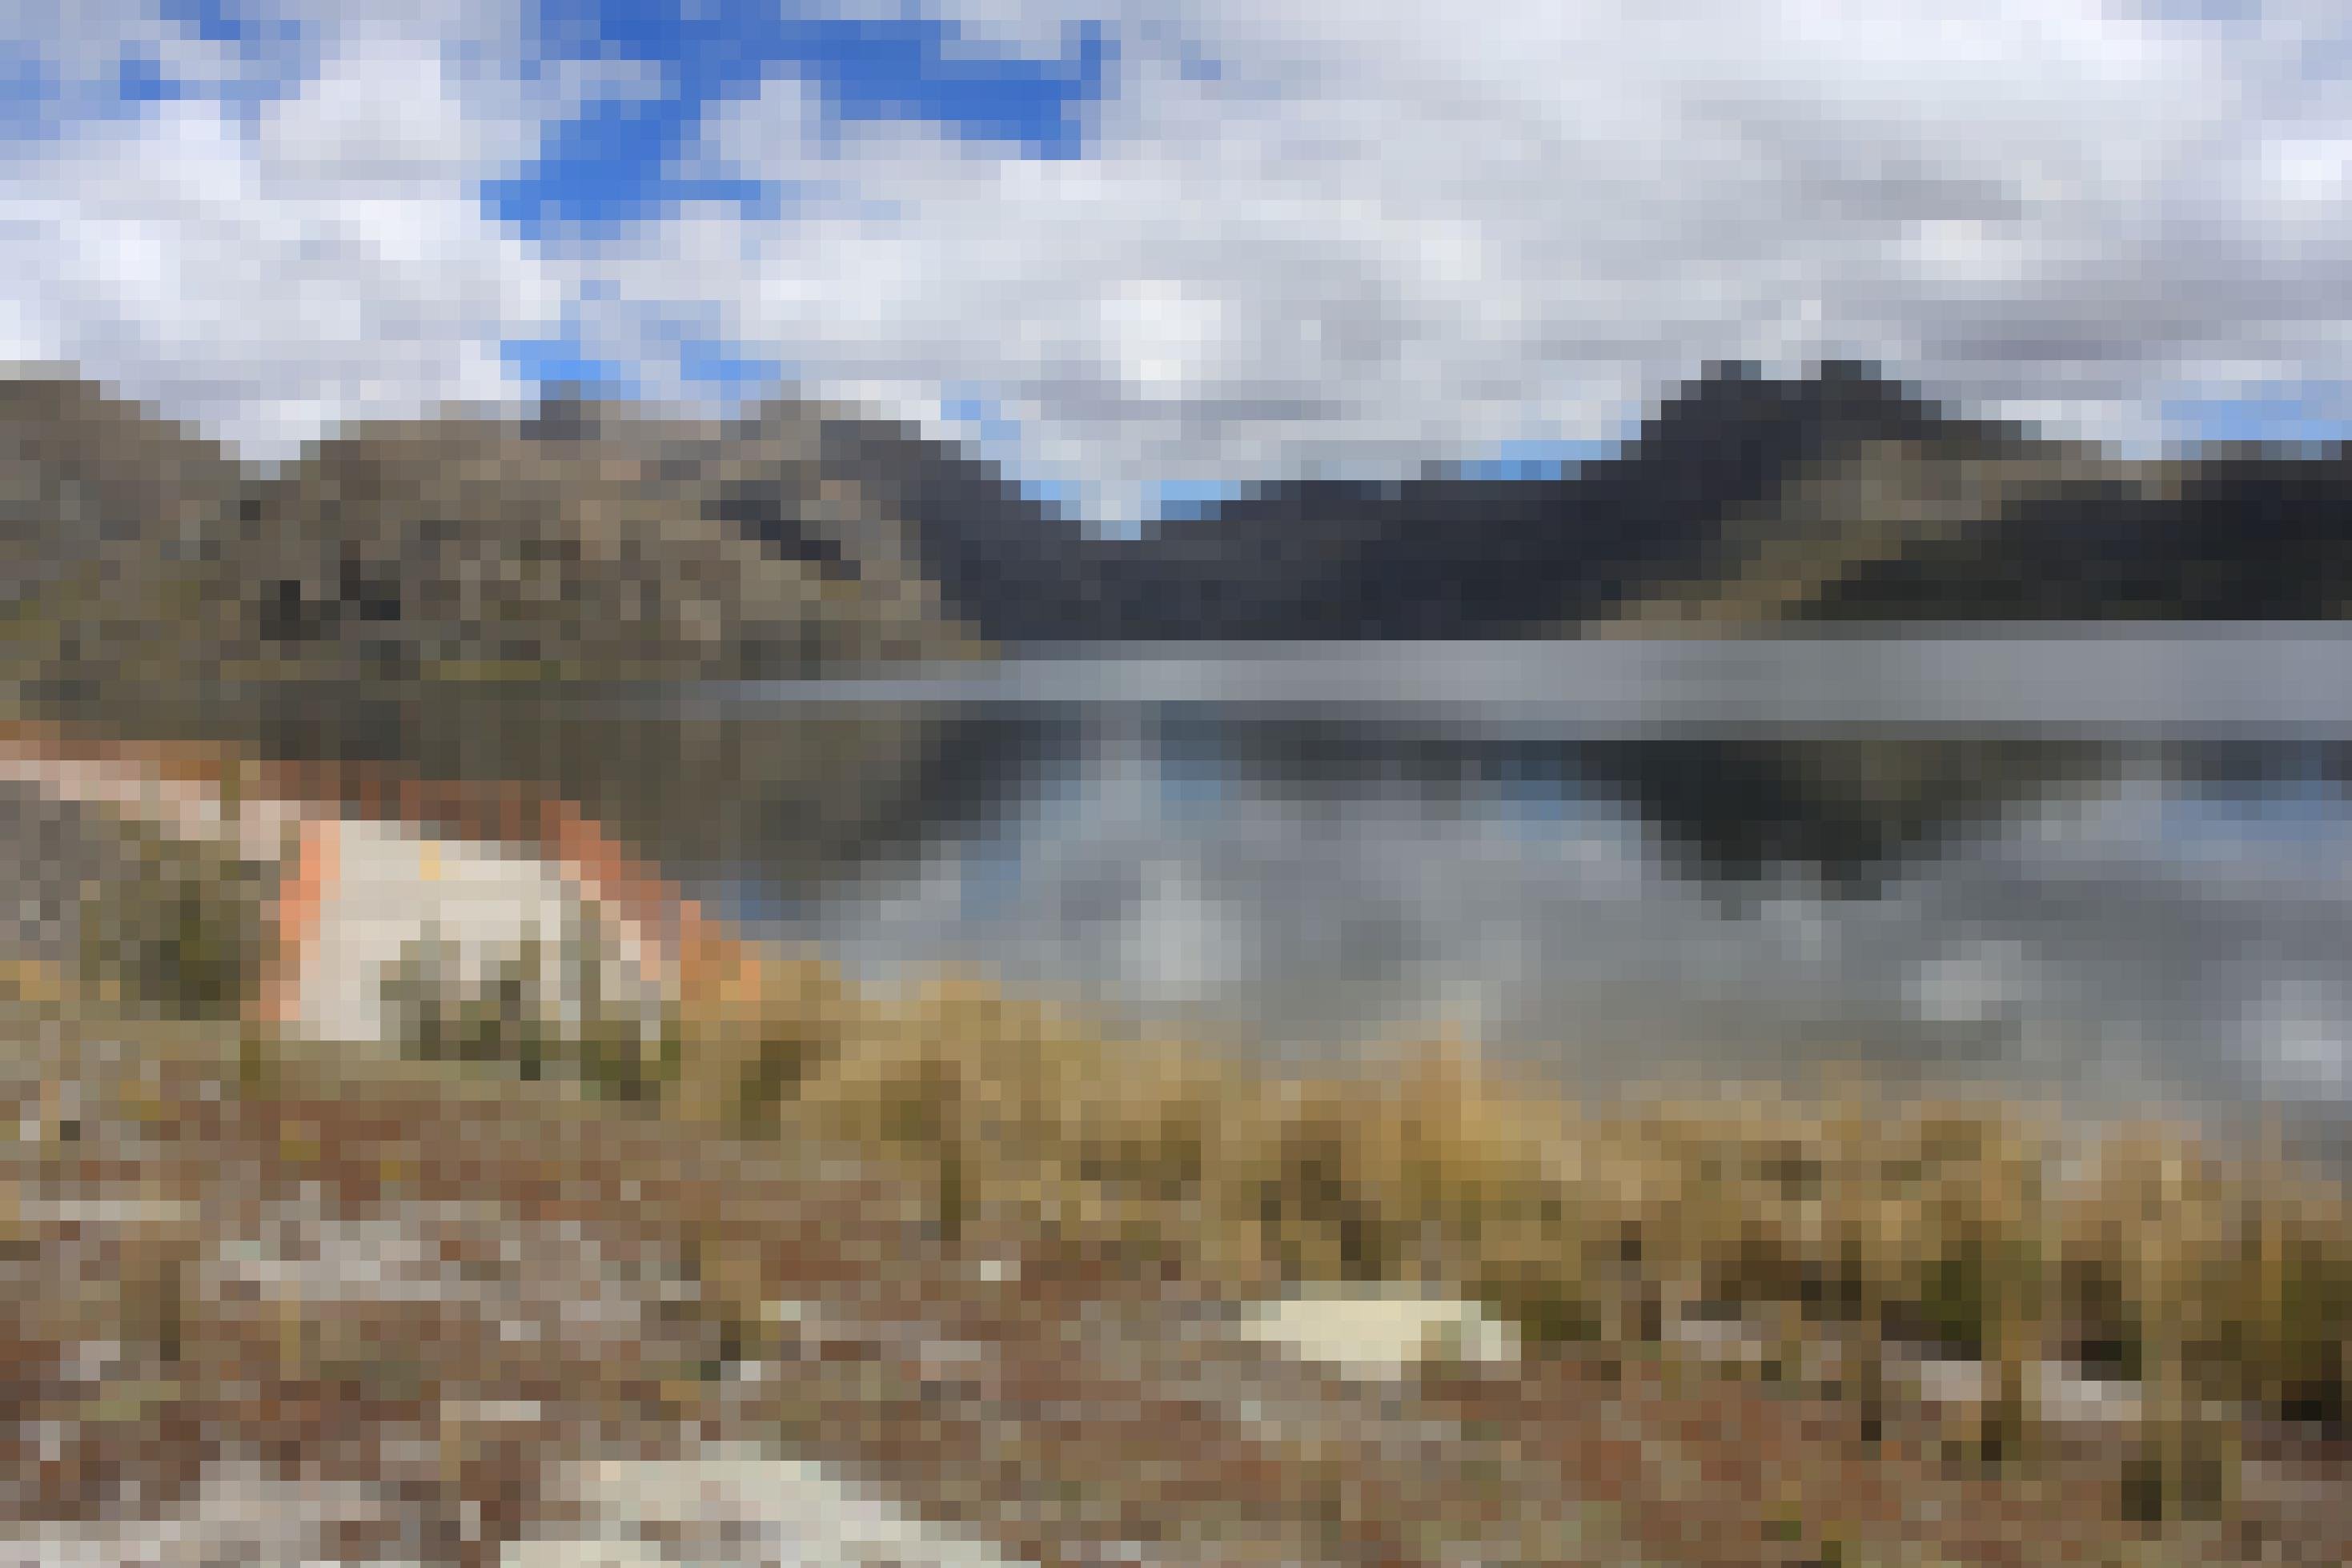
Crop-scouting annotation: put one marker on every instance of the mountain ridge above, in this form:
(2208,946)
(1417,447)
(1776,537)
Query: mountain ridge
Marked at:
(585,540)
(604,539)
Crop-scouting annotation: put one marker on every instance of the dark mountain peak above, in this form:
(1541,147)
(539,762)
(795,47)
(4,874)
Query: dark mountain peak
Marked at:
(566,413)
(1450,555)
(1842,400)
(1863,496)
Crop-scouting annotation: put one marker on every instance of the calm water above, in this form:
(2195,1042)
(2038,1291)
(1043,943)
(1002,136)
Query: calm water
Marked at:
(2168,920)
(2113,871)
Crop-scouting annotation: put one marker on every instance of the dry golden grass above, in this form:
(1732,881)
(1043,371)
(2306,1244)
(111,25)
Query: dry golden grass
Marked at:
(1846,1225)
(1584,1222)
(1974,1227)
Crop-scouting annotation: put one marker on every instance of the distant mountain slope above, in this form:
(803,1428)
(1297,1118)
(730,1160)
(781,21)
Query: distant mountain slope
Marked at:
(2234,537)
(1453,558)
(604,539)
(1838,520)
(85,477)
(102,504)
(1002,560)
(592,540)
(1743,503)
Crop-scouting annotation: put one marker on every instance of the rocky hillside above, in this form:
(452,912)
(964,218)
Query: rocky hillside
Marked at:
(600,539)
(1441,556)
(591,540)
(1742,502)
(104,508)
(2238,536)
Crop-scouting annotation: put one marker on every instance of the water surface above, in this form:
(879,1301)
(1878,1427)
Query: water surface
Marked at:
(2107,866)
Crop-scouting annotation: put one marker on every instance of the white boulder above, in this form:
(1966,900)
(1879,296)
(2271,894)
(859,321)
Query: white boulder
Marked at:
(1381,1332)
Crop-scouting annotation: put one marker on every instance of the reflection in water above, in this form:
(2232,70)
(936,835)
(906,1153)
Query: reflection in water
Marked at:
(2095,921)
(2105,918)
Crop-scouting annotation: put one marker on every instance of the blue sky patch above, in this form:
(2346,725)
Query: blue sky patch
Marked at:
(138,79)
(274,59)
(2304,417)
(561,362)
(29,90)
(614,165)
(1178,500)
(216,22)
(1537,459)
(721,370)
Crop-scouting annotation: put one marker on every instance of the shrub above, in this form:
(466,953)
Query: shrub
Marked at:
(1944,1221)
(179,928)
(523,1015)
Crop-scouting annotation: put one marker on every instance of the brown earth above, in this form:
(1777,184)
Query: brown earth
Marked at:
(1067,1402)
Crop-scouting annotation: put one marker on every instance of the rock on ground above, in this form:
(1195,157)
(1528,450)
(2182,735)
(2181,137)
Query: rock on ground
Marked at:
(731,1504)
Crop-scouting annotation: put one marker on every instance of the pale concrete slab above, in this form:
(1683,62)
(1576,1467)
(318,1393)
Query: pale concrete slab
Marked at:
(734,1504)
(1378,1333)
(395,893)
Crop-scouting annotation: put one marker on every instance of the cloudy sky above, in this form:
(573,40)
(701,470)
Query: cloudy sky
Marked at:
(1142,249)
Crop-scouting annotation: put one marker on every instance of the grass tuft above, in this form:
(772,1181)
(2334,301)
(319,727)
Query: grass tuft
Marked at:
(1962,1227)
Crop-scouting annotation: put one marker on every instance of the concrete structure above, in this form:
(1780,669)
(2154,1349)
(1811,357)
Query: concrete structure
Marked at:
(733,1505)
(1381,1333)
(370,867)
(368,898)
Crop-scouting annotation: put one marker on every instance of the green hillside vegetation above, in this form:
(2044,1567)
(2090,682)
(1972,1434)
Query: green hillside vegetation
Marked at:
(1839,520)
(591,541)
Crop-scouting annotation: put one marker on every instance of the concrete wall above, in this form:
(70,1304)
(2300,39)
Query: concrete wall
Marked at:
(341,875)
(368,894)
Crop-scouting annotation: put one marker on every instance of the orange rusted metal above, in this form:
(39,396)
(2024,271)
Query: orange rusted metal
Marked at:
(670,932)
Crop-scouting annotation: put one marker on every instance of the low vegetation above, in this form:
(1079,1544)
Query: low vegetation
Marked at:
(1851,1232)
(1849,1228)
(181,930)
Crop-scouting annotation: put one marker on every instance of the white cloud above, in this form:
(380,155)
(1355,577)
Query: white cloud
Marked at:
(332,264)
(1385,235)
(1378,234)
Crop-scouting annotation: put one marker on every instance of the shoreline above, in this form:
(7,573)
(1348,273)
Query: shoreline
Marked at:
(388,1136)
(1874,1253)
